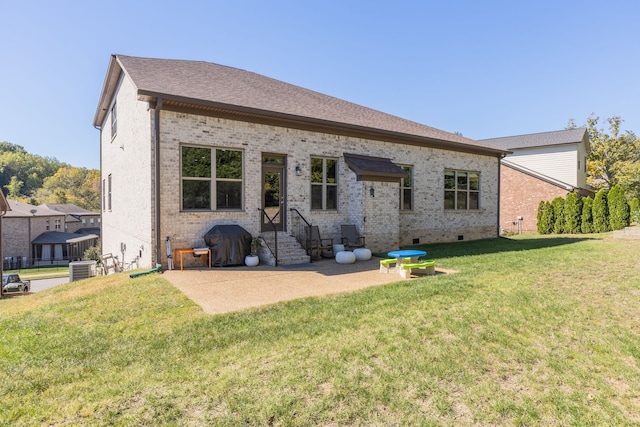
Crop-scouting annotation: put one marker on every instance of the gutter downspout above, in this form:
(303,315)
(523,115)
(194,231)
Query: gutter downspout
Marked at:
(156,118)
(499,170)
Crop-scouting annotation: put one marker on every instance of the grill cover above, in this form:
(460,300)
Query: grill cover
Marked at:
(229,244)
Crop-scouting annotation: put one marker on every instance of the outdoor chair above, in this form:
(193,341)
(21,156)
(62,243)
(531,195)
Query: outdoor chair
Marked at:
(350,238)
(315,242)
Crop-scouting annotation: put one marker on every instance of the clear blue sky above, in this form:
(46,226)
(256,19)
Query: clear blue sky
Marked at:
(482,68)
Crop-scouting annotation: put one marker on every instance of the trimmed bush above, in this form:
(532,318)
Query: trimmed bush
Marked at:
(586,224)
(634,209)
(572,213)
(558,215)
(618,208)
(547,219)
(600,212)
(541,206)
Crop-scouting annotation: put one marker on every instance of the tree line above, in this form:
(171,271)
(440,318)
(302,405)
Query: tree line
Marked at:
(36,180)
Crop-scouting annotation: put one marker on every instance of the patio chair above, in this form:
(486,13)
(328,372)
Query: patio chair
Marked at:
(350,238)
(315,242)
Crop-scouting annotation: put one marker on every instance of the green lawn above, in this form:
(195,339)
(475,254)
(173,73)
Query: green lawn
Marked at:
(530,331)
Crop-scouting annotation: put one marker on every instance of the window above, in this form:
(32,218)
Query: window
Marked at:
(324,183)
(114,120)
(104,194)
(57,224)
(109,192)
(461,190)
(207,172)
(406,190)
(46,226)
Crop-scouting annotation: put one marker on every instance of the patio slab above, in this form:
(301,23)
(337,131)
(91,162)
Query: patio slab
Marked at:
(228,289)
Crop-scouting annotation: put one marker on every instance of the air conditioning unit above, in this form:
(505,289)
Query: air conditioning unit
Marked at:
(79,270)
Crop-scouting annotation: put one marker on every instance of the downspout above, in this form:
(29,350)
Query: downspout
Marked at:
(157,176)
(498,216)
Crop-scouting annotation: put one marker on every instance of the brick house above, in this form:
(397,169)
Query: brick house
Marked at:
(38,235)
(4,208)
(186,145)
(541,166)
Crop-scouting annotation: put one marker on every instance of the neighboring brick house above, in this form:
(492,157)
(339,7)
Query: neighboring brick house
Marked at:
(35,235)
(542,166)
(186,145)
(77,218)
(4,208)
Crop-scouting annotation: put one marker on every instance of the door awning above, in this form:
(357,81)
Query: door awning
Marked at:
(368,168)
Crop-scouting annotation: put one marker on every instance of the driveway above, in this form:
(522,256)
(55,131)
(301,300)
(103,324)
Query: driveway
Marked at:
(227,289)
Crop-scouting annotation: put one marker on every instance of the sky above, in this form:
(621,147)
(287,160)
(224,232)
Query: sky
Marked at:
(485,69)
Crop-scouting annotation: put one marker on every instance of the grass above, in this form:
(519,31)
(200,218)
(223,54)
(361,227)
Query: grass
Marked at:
(530,331)
(41,272)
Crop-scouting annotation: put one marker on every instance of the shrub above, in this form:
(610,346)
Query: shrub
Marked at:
(634,209)
(541,207)
(547,219)
(618,208)
(600,212)
(558,215)
(572,213)
(586,224)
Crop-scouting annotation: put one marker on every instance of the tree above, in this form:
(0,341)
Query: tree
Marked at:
(558,215)
(545,225)
(600,212)
(573,213)
(634,208)
(586,223)
(78,186)
(618,208)
(541,207)
(614,157)
(14,187)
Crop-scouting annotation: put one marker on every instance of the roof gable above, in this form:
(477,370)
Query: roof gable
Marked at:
(198,83)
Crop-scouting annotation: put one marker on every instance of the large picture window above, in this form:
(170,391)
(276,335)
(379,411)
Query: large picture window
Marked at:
(461,190)
(406,190)
(211,179)
(324,183)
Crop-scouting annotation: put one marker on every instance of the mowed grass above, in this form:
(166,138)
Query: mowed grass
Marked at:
(530,331)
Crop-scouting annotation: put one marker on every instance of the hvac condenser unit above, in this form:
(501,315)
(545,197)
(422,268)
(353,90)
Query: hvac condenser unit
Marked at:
(79,270)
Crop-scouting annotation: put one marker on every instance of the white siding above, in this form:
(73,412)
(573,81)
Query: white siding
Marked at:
(559,162)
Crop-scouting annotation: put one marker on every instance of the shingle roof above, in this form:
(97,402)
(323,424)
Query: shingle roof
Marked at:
(68,208)
(568,136)
(21,209)
(205,83)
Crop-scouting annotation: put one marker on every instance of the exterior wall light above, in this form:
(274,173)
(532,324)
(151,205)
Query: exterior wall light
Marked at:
(372,191)
(298,170)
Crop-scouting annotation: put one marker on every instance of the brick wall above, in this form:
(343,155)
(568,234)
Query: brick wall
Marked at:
(377,217)
(520,195)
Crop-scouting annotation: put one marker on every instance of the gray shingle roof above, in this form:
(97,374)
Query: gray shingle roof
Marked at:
(568,136)
(205,83)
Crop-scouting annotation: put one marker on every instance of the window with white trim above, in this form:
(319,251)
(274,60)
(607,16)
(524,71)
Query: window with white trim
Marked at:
(114,120)
(211,178)
(109,192)
(324,183)
(461,190)
(406,190)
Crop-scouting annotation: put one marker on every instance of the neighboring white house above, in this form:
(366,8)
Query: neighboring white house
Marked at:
(186,145)
(541,166)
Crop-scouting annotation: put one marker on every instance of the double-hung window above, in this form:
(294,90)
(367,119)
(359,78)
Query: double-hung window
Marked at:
(406,190)
(461,190)
(324,183)
(211,179)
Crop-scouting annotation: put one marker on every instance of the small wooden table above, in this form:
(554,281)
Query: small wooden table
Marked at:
(182,251)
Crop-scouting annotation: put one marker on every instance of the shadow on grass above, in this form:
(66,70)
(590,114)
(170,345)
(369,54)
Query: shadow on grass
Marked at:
(489,246)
